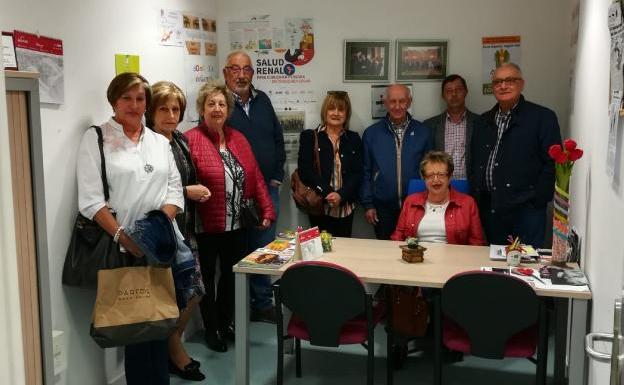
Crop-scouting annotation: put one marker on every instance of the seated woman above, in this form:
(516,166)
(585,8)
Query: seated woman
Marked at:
(439,214)
(338,175)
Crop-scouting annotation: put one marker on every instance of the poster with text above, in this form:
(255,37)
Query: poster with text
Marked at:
(200,57)
(281,53)
(497,50)
(170,25)
(42,54)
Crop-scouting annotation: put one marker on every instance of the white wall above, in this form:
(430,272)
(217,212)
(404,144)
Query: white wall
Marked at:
(92,32)
(543,25)
(597,203)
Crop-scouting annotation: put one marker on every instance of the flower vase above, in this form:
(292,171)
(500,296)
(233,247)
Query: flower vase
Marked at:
(561,205)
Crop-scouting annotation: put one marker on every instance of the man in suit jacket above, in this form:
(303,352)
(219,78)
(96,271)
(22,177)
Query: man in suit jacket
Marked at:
(452,130)
(513,178)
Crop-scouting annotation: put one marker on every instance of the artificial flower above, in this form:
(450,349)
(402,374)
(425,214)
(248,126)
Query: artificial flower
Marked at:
(564,156)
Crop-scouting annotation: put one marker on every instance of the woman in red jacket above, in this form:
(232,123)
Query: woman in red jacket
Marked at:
(440,214)
(226,165)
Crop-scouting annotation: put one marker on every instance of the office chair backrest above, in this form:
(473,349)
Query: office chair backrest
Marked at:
(324,296)
(490,308)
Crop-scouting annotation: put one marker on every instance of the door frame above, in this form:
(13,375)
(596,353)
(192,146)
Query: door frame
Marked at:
(30,86)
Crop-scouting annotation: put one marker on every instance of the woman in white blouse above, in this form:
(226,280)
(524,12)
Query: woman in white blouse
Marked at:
(142,176)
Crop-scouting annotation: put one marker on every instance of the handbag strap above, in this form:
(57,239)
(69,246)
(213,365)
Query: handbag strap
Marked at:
(98,129)
(317,160)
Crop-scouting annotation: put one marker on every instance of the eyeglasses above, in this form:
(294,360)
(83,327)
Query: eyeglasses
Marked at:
(337,93)
(509,81)
(434,175)
(247,70)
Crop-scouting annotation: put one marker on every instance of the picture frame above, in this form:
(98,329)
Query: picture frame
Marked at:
(421,60)
(9,60)
(366,61)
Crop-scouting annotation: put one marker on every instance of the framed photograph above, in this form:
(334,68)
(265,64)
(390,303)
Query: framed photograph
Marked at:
(366,60)
(378,93)
(8,52)
(421,59)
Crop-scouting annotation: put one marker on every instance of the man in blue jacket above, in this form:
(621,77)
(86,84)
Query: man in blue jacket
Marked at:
(255,118)
(513,177)
(393,149)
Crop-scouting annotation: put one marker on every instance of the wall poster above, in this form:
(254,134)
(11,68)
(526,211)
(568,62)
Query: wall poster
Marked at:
(281,53)
(496,51)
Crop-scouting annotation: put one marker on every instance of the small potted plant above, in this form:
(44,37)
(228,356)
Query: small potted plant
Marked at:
(412,251)
(514,251)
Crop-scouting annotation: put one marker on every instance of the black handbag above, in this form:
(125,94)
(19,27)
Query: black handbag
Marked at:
(91,248)
(249,215)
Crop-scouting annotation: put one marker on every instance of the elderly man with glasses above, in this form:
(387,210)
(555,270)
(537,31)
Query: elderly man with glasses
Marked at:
(255,118)
(513,177)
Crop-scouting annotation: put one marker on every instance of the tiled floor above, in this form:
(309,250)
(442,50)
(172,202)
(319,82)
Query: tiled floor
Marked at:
(347,365)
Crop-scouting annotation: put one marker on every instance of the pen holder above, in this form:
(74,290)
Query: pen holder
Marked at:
(413,254)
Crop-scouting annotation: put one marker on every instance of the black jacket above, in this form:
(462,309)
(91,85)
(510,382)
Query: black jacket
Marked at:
(350,150)
(524,174)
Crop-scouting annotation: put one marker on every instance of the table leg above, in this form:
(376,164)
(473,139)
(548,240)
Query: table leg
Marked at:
(561,337)
(241,320)
(437,339)
(578,329)
(389,337)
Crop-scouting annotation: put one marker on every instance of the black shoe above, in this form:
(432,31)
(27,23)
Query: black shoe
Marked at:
(190,372)
(267,315)
(215,342)
(196,364)
(228,333)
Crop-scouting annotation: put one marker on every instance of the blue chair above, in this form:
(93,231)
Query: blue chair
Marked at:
(418,185)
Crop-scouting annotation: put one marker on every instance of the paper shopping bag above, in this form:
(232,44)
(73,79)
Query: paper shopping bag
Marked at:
(133,305)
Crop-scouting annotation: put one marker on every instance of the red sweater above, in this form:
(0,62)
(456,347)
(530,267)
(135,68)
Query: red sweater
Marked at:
(204,147)
(461,219)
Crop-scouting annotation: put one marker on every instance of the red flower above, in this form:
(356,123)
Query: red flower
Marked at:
(555,151)
(575,154)
(570,145)
(561,158)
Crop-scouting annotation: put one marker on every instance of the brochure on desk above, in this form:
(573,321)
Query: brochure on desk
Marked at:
(561,279)
(272,256)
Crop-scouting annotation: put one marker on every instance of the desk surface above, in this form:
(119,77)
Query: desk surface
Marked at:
(376,261)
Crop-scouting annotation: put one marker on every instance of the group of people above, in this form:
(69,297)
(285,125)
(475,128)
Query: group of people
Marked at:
(501,155)
(233,161)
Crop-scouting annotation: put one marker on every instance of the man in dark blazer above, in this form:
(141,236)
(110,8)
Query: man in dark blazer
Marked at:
(512,176)
(452,130)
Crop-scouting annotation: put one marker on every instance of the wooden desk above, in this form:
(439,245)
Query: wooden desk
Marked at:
(377,261)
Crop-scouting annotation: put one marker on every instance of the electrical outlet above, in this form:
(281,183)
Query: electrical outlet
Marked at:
(59,349)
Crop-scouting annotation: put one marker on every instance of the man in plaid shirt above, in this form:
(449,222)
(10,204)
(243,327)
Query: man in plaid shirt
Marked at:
(452,129)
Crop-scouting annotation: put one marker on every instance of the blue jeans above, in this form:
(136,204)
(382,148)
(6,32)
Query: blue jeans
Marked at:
(260,285)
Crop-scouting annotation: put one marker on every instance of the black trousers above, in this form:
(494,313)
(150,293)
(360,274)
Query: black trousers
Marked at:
(388,217)
(147,363)
(217,306)
(338,227)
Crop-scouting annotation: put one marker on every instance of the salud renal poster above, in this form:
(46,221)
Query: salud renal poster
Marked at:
(496,51)
(282,52)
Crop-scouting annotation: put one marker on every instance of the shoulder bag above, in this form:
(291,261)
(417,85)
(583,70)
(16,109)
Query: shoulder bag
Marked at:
(306,198)
(90,248)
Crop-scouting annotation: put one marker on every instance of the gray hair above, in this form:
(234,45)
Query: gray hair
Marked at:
(210,88)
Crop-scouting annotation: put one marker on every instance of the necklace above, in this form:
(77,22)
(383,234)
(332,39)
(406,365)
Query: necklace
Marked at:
(434,207)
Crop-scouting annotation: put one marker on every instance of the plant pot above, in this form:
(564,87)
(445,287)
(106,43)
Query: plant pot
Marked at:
(413,255)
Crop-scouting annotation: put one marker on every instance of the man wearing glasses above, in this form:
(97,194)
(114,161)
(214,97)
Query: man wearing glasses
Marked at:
(452,129)
(392,150)
(512,175)
(255,117)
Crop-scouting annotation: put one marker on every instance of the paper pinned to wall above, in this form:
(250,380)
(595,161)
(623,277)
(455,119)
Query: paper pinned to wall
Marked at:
(44,55)
(616,30)
(496,51)
(127,63)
